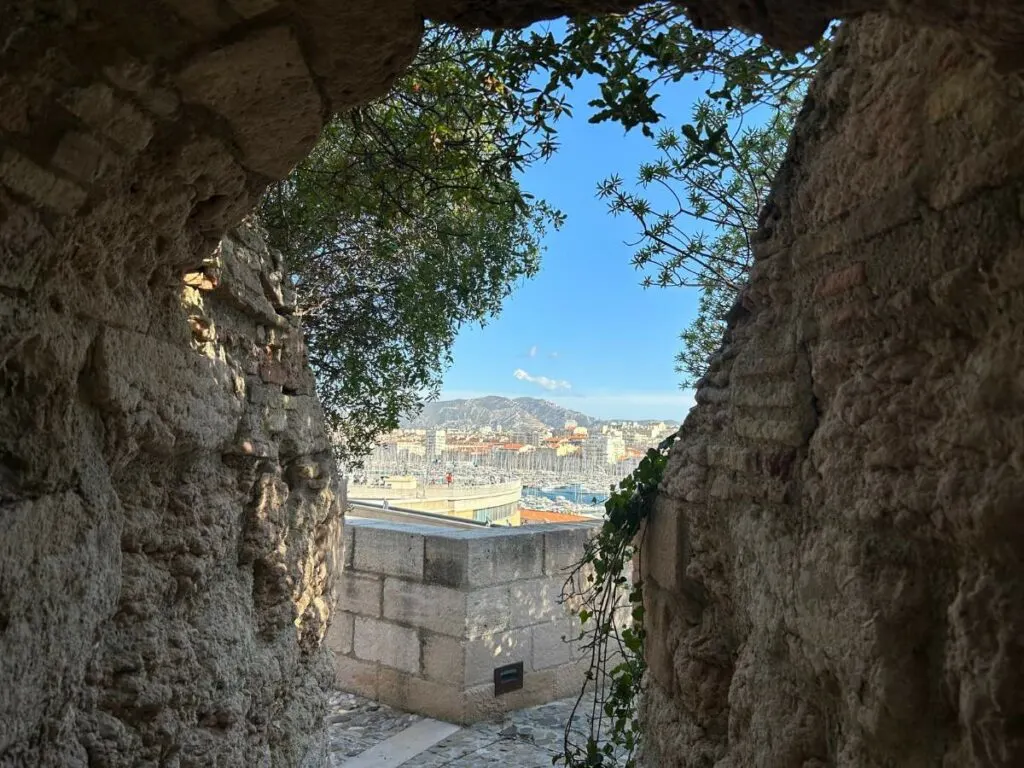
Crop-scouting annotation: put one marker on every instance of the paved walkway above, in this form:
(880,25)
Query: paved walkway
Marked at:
(365,734)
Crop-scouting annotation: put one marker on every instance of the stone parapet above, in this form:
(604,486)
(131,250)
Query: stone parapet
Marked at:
(426,615)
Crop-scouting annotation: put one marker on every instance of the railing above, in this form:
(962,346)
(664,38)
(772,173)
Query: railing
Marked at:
(432,491)
(377,511)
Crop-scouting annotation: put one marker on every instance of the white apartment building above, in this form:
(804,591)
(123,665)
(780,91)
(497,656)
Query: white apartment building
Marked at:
(436,442)
(603,448)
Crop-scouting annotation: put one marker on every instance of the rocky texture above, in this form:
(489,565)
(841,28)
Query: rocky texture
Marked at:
(166,515)
(794,24)
(166,588)
(526,738)
(835,569)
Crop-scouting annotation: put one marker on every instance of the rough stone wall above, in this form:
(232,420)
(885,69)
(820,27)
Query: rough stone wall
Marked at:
(132,517)
(836,567)
(166,604)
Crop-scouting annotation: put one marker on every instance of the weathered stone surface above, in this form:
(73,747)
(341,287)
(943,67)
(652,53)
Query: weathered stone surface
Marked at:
(103,111)
(261,86)
(361,593)
(39,185)
(165,580)
(551,643)
(387,643)
(835,559)
(172,586)
(440,609)
(389,551)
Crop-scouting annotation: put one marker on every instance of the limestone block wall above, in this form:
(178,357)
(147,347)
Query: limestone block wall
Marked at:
(427,614)
(835,570)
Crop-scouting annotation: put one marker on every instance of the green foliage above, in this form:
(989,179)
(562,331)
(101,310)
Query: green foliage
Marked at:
(404,224)
(711,180)
(635,55)
(715,170)
(601,587)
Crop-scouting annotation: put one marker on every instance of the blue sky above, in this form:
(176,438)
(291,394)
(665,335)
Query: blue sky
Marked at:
(583,332)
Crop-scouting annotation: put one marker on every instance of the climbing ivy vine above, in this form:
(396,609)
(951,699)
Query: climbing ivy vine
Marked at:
(610,608)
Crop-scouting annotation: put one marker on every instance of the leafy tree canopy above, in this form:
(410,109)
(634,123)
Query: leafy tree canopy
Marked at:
(403,224)
(700,233)
(697,204)
(636,55)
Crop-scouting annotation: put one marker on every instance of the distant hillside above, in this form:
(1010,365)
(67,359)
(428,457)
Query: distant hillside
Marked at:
(521,414)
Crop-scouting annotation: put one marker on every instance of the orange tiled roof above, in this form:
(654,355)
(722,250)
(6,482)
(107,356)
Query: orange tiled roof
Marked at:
(544,516)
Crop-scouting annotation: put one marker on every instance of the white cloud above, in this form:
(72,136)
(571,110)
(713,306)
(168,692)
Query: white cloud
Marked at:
(542,381)
(533,351)
(553,354)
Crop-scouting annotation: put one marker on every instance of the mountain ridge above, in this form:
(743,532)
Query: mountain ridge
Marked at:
(511,414)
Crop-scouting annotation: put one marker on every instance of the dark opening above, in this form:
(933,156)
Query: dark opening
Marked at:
(508,678)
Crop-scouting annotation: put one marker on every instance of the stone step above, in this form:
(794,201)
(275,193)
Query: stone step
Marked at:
(404,745)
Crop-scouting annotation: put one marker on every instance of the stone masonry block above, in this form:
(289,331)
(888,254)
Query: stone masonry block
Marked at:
(517,557)
(485,653)
(339,635)
(836,283)
(133,368)
(428,697)
(387,643)
(130,74)
(262,87)
(732,457)
(13,105)
(786,432)
(538,688)
(447,561)
(768,394)
(563,548)
(552,643)
(389,552)
(664,545)
(536,600)
(82,156)
(476,560)
(758,364)
(440,609)
(488,610)
(21,175)
(102,110)
(570,678)
(444,659)
(356,676)
(361,593)
(659,646)
(348,545)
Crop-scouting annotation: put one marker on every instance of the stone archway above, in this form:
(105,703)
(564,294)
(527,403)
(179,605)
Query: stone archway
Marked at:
(169,520)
